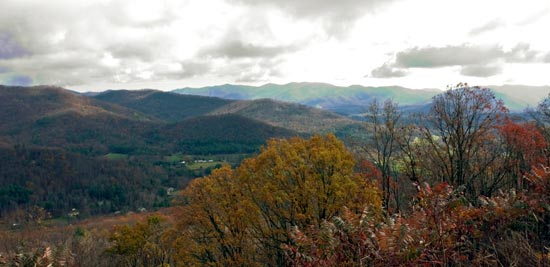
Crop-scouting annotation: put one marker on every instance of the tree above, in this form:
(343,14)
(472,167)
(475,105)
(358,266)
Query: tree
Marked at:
(460,130)
(383,145)
(213,226)
(141,244)
(244,217)
(541,115)
(524,145)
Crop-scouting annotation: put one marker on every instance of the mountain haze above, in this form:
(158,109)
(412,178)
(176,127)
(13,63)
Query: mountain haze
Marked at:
(293,116)
(353,100)
(345,100)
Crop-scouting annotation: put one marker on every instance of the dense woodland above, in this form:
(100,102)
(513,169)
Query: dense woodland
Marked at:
(465,184)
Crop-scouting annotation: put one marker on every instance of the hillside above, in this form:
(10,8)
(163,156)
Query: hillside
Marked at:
(218,134)
(55,117)
(165,106)
(27,104)
(60,150)
(293,116)
(172,107)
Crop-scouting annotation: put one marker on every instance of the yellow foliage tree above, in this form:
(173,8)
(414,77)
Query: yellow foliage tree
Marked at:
(244,217)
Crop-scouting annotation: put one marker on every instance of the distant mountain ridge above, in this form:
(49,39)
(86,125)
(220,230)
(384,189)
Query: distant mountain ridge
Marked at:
(46,116)
(352,100)
(172,107)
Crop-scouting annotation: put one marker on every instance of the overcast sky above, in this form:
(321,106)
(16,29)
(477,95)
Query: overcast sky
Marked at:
(96,45)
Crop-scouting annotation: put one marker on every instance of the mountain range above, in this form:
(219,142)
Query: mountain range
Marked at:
(122,149)
(137,122)
(353,100)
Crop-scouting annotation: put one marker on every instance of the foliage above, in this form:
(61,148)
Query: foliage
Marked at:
(141,244)
(296,182)
(57,182)
(524,147)
(443,229)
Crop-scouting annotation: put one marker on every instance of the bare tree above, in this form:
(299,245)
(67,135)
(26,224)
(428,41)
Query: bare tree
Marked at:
(460,130)
(383,119)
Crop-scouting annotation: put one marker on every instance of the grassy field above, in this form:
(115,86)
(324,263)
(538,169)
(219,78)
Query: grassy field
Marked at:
(115,156)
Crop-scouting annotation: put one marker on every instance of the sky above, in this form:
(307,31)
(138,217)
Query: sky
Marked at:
(169,44)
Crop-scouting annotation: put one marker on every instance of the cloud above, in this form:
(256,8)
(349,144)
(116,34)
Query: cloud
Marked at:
(522,53)
(9,48)
(387,71)
(19,80)
(489,26)
(183,70)
(260,71)
(434,57)
(534,17)
(343,9)
(336,17)
(481,70)
(239,49)
(73,43)
(475,60)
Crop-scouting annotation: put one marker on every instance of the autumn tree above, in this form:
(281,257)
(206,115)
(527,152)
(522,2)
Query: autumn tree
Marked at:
(524,146)
(383,119)
(213,226)
(244,217)
(141,244)
(460,130)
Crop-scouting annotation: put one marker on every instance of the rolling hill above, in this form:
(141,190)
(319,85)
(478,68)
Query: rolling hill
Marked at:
(293,116)
(55,117)
(352,100)
(165,106)
(218,134)
(172,107)
(60,150)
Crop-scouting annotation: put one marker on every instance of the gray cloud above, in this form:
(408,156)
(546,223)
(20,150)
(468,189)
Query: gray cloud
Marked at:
(523,53)
(9,48)
(481,70)
(433,57)
(239,49)
(489,26)
(64,42)
(19,80)
(260,71)
(335,16)
(343,9)
(188,69)
(145,49)
(475,60)
(387,71)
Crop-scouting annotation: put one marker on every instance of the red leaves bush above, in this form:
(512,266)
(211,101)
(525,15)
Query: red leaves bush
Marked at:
(443,229)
